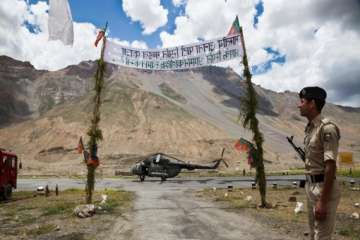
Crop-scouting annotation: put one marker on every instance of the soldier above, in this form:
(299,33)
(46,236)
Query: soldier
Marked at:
(321,148)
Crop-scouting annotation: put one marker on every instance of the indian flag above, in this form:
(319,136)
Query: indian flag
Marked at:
(235,28)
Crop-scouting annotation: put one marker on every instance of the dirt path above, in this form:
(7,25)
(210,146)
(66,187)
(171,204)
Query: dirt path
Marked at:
(165,212)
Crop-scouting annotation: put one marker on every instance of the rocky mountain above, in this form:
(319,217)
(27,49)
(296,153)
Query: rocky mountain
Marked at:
(190,114)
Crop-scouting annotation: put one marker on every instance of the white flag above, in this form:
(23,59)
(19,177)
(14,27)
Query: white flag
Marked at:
(60,22)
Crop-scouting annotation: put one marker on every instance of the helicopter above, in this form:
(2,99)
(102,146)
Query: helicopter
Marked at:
(166,166)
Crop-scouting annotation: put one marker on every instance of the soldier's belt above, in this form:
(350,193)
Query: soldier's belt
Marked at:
(315,178)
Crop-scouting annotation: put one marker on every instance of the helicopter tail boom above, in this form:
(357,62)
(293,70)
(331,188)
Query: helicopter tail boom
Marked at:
(214,165)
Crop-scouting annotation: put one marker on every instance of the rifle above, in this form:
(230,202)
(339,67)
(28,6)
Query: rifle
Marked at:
(299,150)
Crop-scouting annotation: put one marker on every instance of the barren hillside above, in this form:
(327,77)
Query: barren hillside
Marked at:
(191,114)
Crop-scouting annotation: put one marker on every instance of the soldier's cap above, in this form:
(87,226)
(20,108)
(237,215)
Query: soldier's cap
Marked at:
(313,93)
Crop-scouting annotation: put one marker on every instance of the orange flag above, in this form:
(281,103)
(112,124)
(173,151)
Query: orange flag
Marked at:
(100,35)
(243,147)
(80,146)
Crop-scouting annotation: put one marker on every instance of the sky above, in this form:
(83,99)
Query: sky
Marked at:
(290,44)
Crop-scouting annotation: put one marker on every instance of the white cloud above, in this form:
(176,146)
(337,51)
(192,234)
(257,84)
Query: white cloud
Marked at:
(320,39)
(183,35)
(139,44)
(321,48)
(18,42)
(54,55)
(207,21)
(134,44)
(150,13)
(178,3)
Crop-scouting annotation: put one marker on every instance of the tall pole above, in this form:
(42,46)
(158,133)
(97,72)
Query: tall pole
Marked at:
(94,131)
(250,121)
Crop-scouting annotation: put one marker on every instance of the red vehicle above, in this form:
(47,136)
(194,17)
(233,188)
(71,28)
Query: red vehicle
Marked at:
(8,173)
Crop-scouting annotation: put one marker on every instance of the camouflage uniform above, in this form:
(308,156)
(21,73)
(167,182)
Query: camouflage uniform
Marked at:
(321,144)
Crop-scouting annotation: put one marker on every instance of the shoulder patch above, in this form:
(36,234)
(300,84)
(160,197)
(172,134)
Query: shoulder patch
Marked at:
(327,137)
(330,132)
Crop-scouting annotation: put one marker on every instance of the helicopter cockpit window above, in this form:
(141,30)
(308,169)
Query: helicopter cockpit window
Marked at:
(157,159)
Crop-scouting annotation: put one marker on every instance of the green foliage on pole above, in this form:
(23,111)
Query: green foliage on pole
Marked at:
(248,116)
(94,131)
(90,184)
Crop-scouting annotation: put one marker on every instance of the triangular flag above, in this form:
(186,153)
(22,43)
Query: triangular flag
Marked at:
(241,146)
(100,35)
(235,28)
(80,146)
(244,145)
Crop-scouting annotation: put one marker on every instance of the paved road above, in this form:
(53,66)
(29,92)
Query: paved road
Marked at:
(29,184)
(168,210)
(133,185)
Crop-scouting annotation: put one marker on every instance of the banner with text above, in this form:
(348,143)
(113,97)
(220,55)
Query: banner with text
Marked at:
(175,58)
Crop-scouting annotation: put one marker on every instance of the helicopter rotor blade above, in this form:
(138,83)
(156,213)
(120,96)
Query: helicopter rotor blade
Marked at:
(225,163)
(222,153)
(222,158)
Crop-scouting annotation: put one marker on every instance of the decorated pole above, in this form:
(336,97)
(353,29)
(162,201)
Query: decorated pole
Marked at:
(249,106)
(94,132)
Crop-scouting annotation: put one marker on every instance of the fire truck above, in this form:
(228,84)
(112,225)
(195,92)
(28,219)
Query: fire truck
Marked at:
(8,173)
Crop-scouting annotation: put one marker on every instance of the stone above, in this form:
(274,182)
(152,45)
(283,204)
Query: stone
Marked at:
(292,199)
(40,190)
(299,207)
(84,211)
(355,215)
(104,198)
(248,198)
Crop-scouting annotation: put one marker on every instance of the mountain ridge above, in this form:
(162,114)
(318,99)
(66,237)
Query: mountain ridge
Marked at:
(190,113)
